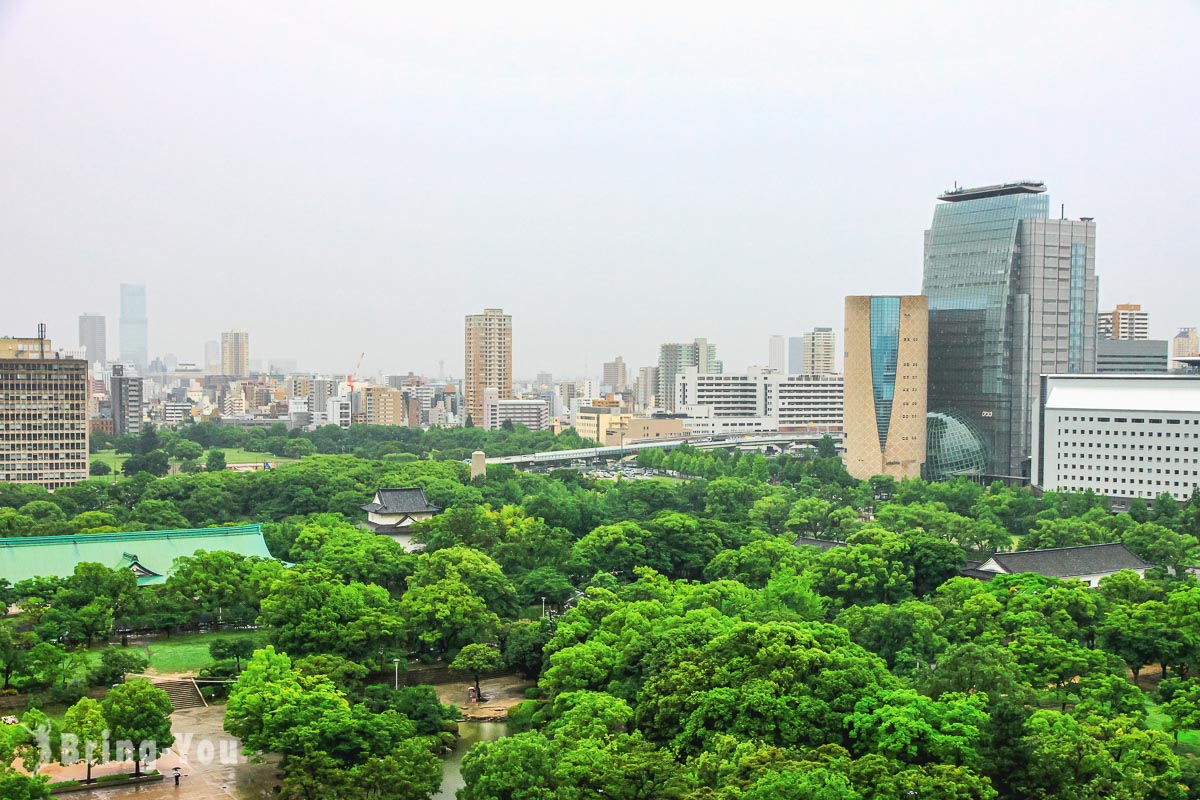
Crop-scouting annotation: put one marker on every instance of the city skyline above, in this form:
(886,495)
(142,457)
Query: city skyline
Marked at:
(745,155)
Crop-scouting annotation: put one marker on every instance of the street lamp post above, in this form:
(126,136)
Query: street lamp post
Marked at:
(543,606)
(396,664)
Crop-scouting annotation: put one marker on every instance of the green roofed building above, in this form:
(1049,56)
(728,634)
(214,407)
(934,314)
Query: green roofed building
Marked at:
(150,555)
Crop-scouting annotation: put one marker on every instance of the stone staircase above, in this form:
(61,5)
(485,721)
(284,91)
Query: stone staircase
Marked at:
(184,693)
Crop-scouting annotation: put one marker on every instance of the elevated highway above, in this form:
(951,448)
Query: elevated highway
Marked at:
(780,440)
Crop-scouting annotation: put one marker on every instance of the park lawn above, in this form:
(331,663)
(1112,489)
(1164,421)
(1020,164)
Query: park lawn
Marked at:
(233,455)
(184,653)
(1189,741)
(110,457)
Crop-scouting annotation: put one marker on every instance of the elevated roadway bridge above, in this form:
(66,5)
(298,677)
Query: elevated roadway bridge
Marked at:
(754,442)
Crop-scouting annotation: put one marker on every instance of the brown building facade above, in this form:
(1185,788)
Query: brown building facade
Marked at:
(488,345)
(886,380)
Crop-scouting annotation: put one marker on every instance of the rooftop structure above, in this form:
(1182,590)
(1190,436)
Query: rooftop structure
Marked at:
(150,555)
(960,193)
(1088,563)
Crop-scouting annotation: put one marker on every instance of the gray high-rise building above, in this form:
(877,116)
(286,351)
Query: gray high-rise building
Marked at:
(674,357)
(134,348)
(93,337)
(127,402)
(795,364)
(1012,296)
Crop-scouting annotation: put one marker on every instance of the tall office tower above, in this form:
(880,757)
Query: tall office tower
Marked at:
(93,338)
(212,357)
(544,380)
(886,369)
(1185,343)
(615,376)
(134,349)
(795,365)
(1126,321)
(127,402)
(647,385)
(1012,296)
(818,352)
(36,384)
(235,354)
(777,353)
(488,345)
(674,358)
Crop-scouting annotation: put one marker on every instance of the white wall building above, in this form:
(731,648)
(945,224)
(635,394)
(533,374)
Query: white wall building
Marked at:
(533,414)
(759,400)
(1123,436)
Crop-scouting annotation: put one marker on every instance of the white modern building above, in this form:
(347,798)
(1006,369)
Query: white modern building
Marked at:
(1123,436)
(759,400)
(533,414)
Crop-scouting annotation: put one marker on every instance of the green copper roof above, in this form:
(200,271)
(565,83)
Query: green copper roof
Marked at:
(150,554)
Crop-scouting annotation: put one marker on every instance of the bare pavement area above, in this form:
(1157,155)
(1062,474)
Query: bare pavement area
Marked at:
(211,765)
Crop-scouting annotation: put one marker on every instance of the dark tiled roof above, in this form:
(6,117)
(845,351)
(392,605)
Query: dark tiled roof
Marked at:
(401,501)
(971,572)
(810,541)
(1066,562)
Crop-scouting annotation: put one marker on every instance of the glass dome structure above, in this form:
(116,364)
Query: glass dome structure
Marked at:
(954,447)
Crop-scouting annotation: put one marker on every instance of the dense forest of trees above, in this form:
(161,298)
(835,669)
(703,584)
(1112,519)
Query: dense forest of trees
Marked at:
(695,651)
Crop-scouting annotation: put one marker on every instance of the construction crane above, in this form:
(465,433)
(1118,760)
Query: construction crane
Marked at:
(350,377)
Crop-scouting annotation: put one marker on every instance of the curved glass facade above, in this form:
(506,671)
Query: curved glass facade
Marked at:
(885,351)
(955,447)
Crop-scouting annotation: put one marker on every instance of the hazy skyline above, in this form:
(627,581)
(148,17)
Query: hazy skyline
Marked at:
(359,178)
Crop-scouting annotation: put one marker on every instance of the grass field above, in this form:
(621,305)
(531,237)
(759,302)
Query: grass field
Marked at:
(185,653)
(1189,741)
(233,455)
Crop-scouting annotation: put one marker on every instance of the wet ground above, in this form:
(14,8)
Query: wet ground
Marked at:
(210,762)
(212,767)
(499,695)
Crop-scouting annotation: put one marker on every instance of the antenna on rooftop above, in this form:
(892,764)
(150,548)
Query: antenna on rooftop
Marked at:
(1063,211)
(41,340)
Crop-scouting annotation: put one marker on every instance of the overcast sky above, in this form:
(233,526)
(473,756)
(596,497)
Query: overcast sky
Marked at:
(347,177)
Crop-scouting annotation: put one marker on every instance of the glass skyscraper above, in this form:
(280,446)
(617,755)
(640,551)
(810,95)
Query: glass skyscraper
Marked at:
(134,349)
(1012,295)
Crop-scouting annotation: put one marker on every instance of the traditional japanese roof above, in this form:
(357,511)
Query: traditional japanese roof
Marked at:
(148,554)
(1067,562)
(400,501)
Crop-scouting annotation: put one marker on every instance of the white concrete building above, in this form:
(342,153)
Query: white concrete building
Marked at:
(1123,436)
(533,414)
(759,400)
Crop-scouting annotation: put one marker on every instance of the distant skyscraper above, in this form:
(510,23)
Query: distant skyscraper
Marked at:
(1012,296)
(647,385)
(134,348)
(795,355)
(212,357)
(1185,343)
(777,353)
(1127,321)
(615,376)
(819,349)
(885,385)
(235,353)
(93,337)
(488,355)
(674,358)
